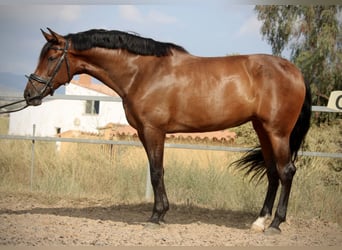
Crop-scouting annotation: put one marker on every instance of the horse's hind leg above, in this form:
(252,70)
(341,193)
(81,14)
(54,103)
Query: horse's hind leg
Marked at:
(272,176)
(286,171)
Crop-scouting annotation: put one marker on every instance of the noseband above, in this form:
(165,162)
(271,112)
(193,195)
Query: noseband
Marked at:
(48,81)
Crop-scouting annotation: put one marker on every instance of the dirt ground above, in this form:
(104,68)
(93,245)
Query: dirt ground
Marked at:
(34,220)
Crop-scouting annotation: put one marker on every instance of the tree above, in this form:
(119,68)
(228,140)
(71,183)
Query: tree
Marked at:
(313,35)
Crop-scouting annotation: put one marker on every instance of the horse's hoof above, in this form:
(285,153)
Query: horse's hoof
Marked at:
(258,225)
(257,228)
(272,231)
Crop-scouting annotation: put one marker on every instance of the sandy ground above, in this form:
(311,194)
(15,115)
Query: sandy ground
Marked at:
(32,220)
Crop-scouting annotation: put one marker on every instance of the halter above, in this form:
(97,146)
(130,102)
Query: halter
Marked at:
(48,81)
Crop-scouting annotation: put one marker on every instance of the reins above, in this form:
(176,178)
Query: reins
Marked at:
(13,110)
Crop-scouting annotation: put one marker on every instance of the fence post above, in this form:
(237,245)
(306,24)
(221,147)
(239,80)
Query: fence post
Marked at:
(148,192)
(32,155)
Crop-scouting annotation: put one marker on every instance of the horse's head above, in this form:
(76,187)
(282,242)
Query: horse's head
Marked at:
(53,69)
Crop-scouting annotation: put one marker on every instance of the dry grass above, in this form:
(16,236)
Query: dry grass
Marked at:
(192,177)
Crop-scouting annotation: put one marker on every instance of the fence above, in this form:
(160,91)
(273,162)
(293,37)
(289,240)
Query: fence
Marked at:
(130,143)
(34,138)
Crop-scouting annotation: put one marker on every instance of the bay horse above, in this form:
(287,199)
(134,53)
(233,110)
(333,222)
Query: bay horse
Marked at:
(164,89)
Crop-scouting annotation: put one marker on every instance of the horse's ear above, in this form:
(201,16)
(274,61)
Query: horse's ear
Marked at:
(55,35)
(52,37)
(48,36)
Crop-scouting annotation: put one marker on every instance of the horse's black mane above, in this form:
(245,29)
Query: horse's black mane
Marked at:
(114,39)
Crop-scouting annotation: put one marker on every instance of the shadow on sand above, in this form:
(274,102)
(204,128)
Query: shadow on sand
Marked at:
(139,213)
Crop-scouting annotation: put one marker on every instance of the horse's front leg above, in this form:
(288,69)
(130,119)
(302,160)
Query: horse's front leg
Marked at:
(153,141)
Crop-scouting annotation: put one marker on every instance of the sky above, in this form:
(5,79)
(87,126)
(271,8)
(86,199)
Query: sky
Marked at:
(204,28)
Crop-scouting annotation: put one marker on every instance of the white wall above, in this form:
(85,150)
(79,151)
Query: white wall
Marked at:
(66,115)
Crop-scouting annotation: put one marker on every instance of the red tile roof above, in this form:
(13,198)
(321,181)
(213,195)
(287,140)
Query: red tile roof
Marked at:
(113,130)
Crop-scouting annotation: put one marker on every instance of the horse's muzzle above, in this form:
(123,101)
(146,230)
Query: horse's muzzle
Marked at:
(31,98)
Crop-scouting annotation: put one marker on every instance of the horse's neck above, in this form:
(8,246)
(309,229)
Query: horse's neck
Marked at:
(116,69)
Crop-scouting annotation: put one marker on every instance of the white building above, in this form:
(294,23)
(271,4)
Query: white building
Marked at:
(56,116)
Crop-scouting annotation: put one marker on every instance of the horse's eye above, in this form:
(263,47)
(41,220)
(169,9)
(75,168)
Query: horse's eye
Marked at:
(51,58)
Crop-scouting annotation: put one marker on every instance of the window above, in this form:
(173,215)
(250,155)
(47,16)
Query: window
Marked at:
(92,107)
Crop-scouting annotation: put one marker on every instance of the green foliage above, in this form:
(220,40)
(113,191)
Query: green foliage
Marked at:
(313,34)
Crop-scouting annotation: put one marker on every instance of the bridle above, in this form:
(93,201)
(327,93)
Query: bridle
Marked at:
(48,81)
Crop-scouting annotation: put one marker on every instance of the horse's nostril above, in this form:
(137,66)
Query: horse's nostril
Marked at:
(27,94)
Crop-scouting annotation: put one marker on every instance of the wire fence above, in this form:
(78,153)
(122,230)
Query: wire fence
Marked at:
(118,99)
(132,143)
(35,138)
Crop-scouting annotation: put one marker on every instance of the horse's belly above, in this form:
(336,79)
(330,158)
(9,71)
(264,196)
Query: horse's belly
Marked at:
(200,120)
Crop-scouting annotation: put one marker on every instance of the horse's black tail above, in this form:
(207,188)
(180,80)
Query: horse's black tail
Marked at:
(253,161)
